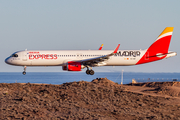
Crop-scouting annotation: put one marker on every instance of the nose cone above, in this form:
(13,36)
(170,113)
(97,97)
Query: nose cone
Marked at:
(8,61)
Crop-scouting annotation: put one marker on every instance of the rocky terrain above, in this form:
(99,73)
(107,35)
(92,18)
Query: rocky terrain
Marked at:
(100,99)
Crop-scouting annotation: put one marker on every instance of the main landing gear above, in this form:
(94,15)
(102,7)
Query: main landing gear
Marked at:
(89,72)
(24,72)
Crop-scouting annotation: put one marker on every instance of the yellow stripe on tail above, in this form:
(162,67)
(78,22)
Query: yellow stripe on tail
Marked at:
(166,30)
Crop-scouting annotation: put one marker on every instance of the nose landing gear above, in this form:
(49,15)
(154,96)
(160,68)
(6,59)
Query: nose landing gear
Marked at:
(24,72)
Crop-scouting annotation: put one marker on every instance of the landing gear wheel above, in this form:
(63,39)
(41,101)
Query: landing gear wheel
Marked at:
(91,72)
(24,73)
(87,71)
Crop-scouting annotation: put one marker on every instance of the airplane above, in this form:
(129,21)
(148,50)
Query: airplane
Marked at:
(76,60)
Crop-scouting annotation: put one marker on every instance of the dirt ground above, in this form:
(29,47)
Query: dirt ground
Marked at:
(100,99)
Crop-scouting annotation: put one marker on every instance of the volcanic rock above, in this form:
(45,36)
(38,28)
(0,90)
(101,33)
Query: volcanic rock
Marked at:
(100,99)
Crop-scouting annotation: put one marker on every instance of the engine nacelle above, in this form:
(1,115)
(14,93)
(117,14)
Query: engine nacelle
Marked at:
(72,66)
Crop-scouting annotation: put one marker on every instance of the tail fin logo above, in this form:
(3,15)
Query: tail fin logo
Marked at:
(159,49)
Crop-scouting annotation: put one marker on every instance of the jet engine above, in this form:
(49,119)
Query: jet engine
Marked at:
(72,66)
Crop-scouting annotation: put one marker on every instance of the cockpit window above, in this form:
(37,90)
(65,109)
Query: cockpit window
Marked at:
(14,55)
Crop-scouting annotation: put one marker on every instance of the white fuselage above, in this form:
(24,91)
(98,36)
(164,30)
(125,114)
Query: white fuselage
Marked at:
(60,57)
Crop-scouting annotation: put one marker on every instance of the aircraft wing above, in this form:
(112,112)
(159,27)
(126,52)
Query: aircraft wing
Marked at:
(98,61)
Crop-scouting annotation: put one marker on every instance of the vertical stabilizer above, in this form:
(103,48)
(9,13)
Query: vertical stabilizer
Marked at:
(159,49)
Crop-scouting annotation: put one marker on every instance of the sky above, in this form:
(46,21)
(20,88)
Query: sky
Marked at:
(86,24)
